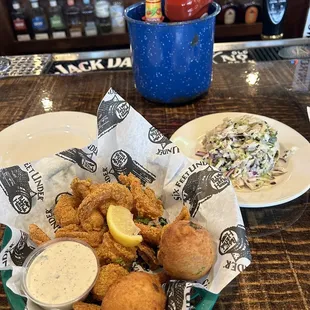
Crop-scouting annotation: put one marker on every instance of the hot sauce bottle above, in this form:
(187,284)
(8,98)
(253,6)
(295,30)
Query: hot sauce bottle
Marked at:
(228,13)
(153,11)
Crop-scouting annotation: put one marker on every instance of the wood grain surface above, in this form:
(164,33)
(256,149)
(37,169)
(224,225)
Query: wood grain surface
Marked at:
(279,276)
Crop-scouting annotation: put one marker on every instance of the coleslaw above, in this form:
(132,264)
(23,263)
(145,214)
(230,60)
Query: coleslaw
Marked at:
(246,149)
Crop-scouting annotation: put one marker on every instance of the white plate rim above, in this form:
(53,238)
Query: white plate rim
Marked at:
(222,115)
(49,119)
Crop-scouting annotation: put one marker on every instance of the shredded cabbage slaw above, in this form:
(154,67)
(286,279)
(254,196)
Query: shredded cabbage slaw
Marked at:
(246,149)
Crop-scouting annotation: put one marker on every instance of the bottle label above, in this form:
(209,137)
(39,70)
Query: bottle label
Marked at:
(153,12)
(276,10)
(23,37)
(230,17)
(90,29)
(117,16)
(19,24)
(102,9)
(251,15)
(56,22)
(38,23)
(59,35)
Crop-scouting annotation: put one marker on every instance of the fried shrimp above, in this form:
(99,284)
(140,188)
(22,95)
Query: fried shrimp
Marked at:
(84,306)
(94,222)
(93,238)
(145,201)
(112,252)
(82,188)
(65,211)
(148,255)
(37,235)
(109,275)
(150,234)
(105,195)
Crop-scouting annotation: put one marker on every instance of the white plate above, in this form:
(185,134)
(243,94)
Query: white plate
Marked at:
(289,186)
(44,135)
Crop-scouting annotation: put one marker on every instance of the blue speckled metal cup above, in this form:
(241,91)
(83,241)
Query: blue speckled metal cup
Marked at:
(172,62)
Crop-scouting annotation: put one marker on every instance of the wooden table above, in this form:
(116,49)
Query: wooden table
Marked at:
(279,276)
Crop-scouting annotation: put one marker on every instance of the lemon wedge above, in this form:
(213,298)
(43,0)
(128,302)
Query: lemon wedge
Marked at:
(122,226)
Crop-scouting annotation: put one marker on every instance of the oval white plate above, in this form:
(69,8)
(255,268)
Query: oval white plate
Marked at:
(289,186)
(44,135)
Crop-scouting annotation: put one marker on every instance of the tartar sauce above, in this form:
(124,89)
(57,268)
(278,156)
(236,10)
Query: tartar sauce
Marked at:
(63,272)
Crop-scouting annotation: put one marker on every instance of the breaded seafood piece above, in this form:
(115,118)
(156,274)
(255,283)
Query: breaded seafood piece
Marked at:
(37,235)
(105,195)
(138,291)
(148,255)
(186,250)
(65,211)
(184,215)
(84,306)
(94,222)
(150,234)
(111,251)
(93,238)
(82,188)
(145,201)
(109,275)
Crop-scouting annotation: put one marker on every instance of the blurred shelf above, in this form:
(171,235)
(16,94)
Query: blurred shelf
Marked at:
(238,30)
(105,41)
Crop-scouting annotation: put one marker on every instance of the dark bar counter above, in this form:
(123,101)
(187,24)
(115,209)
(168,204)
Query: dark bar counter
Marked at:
(278,277)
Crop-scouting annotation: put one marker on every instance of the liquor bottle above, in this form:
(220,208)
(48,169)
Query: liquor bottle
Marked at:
(102,9)
(273,17)
(38,21)
(19,23)
(57,21)
(251,12)
(89,19)
(229,13)
(117,16)
(74,21)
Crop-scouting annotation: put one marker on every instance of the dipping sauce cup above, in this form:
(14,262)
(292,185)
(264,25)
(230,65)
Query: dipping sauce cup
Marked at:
(172,62)
(60,273)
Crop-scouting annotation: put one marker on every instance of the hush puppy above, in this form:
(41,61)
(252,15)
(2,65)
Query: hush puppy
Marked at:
(186,250)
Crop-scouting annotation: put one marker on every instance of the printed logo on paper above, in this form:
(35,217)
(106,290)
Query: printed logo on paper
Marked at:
(111,113)
(15,183)
(19,251)
(233,241)
(79,157)
(121,162)
(178,294)
(155,136)
(196,187)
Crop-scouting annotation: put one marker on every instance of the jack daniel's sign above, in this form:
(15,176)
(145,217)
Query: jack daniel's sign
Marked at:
(89,65)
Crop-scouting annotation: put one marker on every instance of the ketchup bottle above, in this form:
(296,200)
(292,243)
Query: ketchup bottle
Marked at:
(182,10)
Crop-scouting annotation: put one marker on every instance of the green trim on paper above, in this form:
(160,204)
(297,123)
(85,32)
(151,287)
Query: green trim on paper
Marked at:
(18,303)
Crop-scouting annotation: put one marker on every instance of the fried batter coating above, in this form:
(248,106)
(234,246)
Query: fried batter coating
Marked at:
(184,215)
(109,275)
(138,291)
(94,222)
(148,255)
(82,188)
(93,238)
(105,195)
(150,234)
(84,306)
(112,252)
(65,211)
(37,235)
(186,250)
(145,201)
(163,277)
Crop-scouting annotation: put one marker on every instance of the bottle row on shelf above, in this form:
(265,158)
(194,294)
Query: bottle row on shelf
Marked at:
(67,20)
(233,11)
